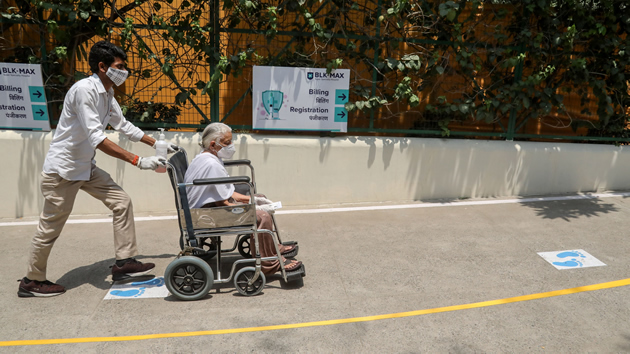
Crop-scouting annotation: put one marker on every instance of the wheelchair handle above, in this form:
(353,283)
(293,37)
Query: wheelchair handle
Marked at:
(236,162)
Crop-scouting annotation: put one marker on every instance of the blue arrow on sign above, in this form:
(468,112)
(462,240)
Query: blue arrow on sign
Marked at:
(341,96)
(37,94)
(341,115)
(40,112)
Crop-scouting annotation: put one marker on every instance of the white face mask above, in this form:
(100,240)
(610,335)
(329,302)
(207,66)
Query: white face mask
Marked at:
(226,152)
(117,76)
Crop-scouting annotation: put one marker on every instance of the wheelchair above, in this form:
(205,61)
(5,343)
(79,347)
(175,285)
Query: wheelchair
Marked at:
(190,276)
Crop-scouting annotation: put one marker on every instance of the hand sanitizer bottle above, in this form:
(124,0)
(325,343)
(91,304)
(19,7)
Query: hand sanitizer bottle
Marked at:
(161,150)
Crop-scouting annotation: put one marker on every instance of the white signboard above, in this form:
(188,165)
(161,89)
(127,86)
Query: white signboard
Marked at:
(22,97)
(571,259)
(300,99)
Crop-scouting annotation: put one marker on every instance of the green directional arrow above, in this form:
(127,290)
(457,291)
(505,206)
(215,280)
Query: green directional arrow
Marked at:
(341,96)
(40,112)
(341,115)
(37,93)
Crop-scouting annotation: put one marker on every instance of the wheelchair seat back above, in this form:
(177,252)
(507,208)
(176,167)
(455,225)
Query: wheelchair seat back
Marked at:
(179,163)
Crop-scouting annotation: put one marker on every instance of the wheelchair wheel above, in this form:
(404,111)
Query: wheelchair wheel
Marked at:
(189,278)
(242,278)
(244,248)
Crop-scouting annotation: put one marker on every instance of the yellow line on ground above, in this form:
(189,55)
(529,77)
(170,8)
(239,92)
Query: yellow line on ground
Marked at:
(608,285)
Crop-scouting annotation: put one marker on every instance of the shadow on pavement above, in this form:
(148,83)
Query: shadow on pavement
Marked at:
(625,347)
(571,209)
(172,298)
(97,274)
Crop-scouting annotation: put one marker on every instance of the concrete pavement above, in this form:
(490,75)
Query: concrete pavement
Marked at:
(359,263)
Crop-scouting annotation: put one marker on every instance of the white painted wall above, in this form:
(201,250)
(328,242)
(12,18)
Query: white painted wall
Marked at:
(316,171)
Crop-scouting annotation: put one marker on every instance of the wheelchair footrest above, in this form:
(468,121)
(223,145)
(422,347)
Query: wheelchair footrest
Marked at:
(289,243)
(293,252)
(296,274)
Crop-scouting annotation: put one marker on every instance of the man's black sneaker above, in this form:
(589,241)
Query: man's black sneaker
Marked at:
(31,288)
(132,268)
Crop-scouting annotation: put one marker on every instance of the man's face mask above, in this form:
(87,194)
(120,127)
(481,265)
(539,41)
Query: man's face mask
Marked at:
(117,76)
(226,152)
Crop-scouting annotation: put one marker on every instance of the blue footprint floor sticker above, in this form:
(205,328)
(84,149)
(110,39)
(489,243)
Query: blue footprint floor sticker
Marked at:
(571,259)
(155,282)
(152,288)
(566,254)
(573,262)
(128,293)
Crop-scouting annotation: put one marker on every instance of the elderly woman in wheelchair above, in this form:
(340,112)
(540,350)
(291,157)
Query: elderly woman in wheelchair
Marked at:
(217,145)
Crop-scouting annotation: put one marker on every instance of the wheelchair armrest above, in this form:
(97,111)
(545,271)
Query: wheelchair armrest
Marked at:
(236,162)
(224,180)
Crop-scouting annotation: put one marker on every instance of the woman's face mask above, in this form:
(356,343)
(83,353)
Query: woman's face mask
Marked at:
(117,76)
(227,151)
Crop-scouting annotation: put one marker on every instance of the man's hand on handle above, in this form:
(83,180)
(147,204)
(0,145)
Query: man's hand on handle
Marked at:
(143,163)
(150,163)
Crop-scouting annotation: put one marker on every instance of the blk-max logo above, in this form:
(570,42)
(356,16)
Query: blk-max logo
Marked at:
(318,75)
(17,71)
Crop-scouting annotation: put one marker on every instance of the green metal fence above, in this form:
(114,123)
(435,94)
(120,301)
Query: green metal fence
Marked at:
(201,110)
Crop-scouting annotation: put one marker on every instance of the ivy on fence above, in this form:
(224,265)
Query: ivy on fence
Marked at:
(512,65)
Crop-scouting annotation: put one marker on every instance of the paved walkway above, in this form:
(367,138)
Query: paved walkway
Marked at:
(410,269)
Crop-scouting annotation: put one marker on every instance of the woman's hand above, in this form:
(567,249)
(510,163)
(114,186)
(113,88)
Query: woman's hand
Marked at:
(241,198)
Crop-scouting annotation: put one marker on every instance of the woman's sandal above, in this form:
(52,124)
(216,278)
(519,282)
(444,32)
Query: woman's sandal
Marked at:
(294,265)
(289,251)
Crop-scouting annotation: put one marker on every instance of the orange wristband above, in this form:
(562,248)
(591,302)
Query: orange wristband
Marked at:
(135,160)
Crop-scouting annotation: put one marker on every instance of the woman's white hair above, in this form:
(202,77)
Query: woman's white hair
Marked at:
(213,132)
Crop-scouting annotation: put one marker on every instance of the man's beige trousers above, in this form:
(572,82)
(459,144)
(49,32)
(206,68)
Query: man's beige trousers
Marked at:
(59,195)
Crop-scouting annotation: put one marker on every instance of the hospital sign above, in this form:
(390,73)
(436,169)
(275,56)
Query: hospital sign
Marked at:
(300,98)
(22,97)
